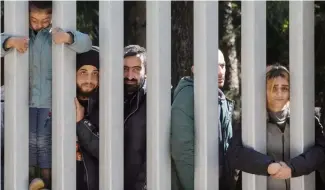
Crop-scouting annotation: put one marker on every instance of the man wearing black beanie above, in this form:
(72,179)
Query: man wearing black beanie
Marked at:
(87,120)
(87,110)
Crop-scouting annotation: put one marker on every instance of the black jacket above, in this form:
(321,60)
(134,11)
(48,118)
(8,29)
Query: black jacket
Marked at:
(135,140)
(251,161)
(88,140)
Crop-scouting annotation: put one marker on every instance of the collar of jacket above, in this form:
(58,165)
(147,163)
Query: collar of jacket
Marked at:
(142,91)
(44,30)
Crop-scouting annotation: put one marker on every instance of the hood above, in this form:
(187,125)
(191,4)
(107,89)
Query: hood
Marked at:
(188,81)
(184,82)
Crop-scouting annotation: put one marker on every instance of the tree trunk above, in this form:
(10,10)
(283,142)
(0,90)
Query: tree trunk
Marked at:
(135,23)
(182,39)
(229,44)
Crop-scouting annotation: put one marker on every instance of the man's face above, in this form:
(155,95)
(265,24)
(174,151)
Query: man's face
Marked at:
(221,74)
(39,19)
(134,73)
(87,80)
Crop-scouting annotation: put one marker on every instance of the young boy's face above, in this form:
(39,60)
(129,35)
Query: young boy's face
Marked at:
(39,19)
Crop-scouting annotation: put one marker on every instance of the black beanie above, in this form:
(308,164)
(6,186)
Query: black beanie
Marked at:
(90,57)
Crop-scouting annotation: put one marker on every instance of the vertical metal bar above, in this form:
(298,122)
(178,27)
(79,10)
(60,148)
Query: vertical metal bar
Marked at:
(205,93)
(1,107)
(64,91)
(301,49)
(16,107)
(111,95)
(253,84)
(158,98)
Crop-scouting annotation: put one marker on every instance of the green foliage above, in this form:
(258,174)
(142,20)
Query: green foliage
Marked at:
(87,18)
(277,32)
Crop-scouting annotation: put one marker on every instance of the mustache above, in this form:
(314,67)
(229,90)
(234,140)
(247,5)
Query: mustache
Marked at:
(128,80)
(87,83)
(80,92)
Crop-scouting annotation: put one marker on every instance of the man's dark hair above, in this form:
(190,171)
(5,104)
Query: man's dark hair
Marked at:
(136,50)
(41,5)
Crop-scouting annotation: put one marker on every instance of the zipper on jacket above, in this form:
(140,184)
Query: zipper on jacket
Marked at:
(86,170)
(41,65)
(282,134)
(88,102)
(138,99)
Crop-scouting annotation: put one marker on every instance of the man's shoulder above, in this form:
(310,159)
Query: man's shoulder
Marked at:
(184,97)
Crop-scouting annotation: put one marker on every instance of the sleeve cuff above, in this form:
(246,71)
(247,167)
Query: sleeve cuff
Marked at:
(4,44)
(72,37)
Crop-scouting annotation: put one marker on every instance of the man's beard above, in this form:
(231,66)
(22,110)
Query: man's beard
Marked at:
(131,88)
(81,93)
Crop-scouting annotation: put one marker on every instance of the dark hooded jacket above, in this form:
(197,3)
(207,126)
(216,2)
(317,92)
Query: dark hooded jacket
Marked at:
(88,132)
(135,133)
(278,148)
(88,140)
(182,138)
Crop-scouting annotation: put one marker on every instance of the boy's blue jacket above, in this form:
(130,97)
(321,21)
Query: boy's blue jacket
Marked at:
(40,63)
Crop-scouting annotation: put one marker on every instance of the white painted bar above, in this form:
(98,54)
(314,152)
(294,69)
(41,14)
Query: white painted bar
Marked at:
(2,114)
(205,93)
(111,42)
(64,111)
(302,85)
(158,98)
(253,53)
(17,99)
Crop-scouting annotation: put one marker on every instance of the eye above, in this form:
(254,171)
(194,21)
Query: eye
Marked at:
(45,22)
(137,68)
(285,89)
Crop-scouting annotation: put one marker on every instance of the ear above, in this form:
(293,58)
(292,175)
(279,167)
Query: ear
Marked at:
(192,69)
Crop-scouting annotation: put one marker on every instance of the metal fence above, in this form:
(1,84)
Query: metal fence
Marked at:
(158,109)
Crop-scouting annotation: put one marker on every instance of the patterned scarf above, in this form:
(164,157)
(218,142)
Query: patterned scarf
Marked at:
(280,118)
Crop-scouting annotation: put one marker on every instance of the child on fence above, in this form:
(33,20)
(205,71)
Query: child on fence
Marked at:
(39,44)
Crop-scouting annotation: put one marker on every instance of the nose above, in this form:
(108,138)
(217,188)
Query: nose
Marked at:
(129,75)
(278,93)
(88,78)
(37,26)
